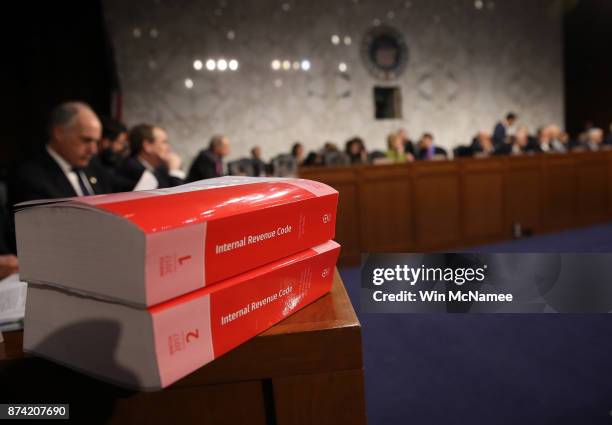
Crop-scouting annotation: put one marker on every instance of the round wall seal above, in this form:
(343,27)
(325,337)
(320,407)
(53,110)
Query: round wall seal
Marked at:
(384,52)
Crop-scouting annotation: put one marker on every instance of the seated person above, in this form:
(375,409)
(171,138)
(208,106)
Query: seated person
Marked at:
(260,168)
(356,151)
(595,139)
(608,140)
(64,168)
(591,140)
(395,149)
(482,144)
(151,164)
(426,150)
(313,159)
(297,151)
(565,141)
(332,156)
(113,147)
(543,141)
(558,139)
(209,162)
(520,141)
(408,145)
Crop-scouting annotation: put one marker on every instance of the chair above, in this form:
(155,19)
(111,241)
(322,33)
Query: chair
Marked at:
(284,165)
(241,167)
(336,159)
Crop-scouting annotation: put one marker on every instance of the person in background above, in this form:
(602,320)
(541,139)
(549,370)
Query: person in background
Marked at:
(395,149)
(501,130)
(558,143)
(520,141)
(608,140)
(408,145)
(297,152)
(314,159)
(482,144)
(151,164)
(113,147)
(356,151)
(565,140)
(582,139)
(543,141)
(209,162)
(427,150)
(595,139)
(260,168)
(64,168)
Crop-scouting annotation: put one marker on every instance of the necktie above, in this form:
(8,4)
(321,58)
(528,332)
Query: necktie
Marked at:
(85,188)
(218,167)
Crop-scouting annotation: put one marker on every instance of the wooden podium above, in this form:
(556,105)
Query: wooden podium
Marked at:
(305,370)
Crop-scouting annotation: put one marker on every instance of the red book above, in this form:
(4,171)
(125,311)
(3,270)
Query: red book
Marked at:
(151,348)
(147,247)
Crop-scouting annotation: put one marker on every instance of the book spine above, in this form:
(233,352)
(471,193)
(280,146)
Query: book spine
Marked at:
(191,257)
(174,262)
(195,329)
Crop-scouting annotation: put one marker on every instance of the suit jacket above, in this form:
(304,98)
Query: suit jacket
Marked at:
(409,147)
(422,154)
(534,146)
(131,170)
(40,177)
(206,165)
(499,135)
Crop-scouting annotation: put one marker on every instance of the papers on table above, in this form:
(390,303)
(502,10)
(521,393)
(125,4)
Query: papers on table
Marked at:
(12,303)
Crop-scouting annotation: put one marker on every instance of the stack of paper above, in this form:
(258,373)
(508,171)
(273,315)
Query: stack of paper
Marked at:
(12,303)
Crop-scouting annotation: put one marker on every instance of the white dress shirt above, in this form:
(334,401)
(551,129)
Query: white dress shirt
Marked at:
(148,181)
(70,174)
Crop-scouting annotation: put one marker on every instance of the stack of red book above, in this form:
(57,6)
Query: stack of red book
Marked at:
(142,288)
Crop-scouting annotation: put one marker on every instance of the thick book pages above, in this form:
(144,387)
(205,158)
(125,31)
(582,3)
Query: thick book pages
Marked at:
(151,246)
(148,349)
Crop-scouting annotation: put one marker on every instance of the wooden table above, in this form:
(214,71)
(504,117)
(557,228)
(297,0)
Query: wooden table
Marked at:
(305,370)
(445,205)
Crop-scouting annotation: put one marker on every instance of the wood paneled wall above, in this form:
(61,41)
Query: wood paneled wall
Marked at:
(445,205)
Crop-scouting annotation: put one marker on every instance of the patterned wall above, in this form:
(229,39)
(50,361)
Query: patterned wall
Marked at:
(470,62)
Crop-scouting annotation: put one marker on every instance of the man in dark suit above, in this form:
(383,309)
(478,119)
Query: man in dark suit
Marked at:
(427,150)
(608,141)
(209,162)
(151,164)
(113,146)
(260,168)
(64,168)
(500,132)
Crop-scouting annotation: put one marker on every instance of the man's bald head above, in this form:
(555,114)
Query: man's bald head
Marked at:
(74,130)
(219,145)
